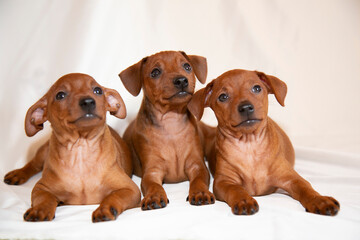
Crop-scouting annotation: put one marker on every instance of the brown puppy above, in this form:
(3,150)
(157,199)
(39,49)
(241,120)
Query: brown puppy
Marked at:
(251,155)
(164,137)
(85,161)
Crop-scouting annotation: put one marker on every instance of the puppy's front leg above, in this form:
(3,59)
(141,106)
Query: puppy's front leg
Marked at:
(151,186)
(301,190)
(20,176)
(115,203)
(199,178)
(43,205)
(235,195)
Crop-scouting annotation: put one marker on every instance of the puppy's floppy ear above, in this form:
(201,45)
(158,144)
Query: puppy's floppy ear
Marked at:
(275,86)
(131,77)
(200,100)
(199,65)
(115,104)
(36,116)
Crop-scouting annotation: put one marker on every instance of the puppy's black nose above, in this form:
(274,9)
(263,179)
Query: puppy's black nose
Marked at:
(181,82)
(246,109)
(87,104)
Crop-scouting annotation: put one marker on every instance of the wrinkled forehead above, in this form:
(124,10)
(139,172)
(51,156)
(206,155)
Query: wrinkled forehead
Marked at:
(167,58)
(235,80)
(74,81)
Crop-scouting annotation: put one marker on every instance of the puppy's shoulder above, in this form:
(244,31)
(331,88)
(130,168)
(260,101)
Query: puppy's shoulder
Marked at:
(283,140)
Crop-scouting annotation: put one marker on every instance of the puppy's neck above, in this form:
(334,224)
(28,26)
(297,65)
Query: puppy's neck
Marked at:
(73,139)
(81,154)
(163,115)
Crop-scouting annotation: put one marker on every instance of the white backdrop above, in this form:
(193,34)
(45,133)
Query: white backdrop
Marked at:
(312,45)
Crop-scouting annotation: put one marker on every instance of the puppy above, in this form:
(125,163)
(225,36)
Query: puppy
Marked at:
(164,137)
(85,161)
(251,155)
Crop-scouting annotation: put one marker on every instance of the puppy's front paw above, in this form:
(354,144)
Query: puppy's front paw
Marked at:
(246,206)
(105,213)
(201,198)
(323,205)
(16,177)
(154,201)
(39,213)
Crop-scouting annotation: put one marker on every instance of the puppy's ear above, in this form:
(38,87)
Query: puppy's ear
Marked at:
(36,116)
(131,77)
(115,104)
(199,65)
(200,100)
(275,86)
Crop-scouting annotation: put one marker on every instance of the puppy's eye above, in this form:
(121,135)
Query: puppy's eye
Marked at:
(223,97)
(155,73)
(187,67)
(256,89)
(60,96)
(98,91)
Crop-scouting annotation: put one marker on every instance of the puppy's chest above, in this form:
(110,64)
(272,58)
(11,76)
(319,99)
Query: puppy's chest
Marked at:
(82,161)
(175,139)
(178,145)
(249,161)
(81,174)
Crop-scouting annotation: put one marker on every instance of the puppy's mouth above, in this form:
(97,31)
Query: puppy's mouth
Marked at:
(87,117)
(247,123)
(179,94)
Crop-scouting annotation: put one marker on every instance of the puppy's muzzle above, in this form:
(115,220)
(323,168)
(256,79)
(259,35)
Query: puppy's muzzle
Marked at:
(246,109)
(181,82)
(88,105)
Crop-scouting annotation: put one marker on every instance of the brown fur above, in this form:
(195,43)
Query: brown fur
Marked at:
(85,161)
(256,157)
(164,138)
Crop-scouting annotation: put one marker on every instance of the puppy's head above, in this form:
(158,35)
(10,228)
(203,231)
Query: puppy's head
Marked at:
(76,102)
(239,99)
(167,78)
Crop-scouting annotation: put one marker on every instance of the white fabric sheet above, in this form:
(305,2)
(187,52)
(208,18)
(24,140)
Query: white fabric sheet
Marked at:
(279,217)
(314,46)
